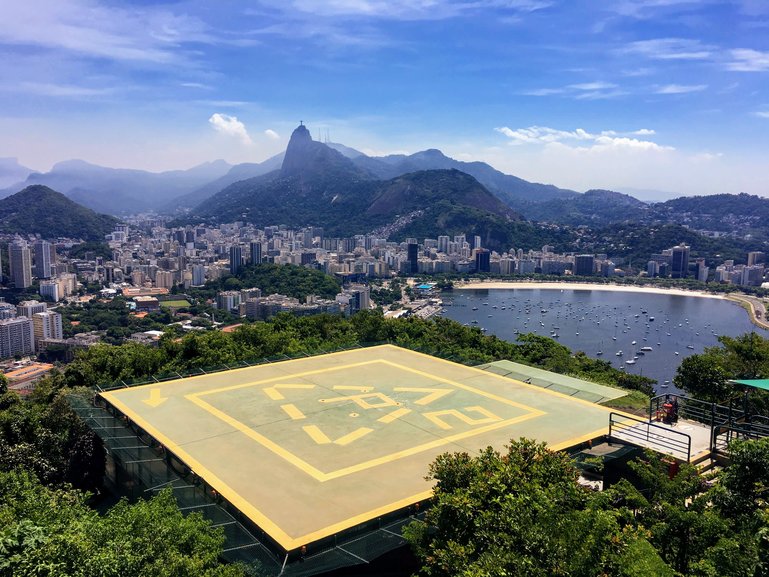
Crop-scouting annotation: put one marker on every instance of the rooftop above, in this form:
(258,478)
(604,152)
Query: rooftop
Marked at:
(308,448)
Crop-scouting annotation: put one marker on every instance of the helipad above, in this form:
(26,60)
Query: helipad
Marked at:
(310,447)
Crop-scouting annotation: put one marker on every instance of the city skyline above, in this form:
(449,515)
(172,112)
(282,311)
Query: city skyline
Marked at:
(638,96)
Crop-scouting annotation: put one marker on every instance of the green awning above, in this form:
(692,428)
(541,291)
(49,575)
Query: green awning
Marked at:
(755,383)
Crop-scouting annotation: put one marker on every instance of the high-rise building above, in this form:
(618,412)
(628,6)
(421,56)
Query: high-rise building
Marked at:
(584,265)
(46,326)
(29,308)
(20,259)
(164,279)
(443,243)
(413,258)
(49,289)
(198,275)
(482,260)
(756,257)
(236,258)
(7,311)
(228,300)
(16,337)
(256,252)
(43,259)
(679,261)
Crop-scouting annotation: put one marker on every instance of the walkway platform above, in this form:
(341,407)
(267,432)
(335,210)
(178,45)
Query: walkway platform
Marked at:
(570,386)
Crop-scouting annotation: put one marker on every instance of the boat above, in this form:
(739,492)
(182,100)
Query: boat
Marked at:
(647,349)
(630,362)
(633,343)
(690,347)
(475,308)
(676,352)
(599,353)
(618,354)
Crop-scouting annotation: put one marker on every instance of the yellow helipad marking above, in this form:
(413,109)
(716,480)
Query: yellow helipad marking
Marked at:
(488,422)
(353,388)
(276,395)
(361,401)
(322,438)
(396,414)
(432,394)
(316,434)
(354,436)
(293,412)
(435,417)
(155,400)
(291,542)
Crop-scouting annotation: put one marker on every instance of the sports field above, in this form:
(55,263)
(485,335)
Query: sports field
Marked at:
(177,304)
(310,447)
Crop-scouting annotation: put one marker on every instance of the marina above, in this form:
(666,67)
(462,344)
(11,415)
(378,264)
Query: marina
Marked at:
(646,334)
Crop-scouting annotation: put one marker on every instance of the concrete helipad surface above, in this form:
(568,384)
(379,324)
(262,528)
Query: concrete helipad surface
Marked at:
(310,447)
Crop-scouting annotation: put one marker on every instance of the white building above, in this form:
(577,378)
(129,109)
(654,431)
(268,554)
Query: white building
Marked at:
(16,337)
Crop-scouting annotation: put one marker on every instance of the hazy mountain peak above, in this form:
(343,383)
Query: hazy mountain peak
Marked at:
(305,155)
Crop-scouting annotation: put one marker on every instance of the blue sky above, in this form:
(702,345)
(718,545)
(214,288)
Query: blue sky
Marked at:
(666,95)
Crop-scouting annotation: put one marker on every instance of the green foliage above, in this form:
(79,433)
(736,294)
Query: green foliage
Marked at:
(521,513)
(53,532)
(290,280)
(91,250)
(113,316)
(744,357)
(44,436)
(290,335)
(39,210)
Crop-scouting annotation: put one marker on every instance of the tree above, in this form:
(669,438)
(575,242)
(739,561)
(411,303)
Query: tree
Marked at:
(521,513)
(704,377)
(47,531)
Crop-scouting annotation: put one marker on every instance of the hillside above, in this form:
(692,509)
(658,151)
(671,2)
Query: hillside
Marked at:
(39,210)
(593,208)
(239,172)
(319,186)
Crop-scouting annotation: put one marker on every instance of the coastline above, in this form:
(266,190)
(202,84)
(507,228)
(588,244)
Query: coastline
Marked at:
(508,285)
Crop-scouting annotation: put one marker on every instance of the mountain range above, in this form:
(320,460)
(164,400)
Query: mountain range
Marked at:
(347,183)
(318,185)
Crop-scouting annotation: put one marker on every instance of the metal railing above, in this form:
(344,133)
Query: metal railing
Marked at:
(650,435)
(704,412)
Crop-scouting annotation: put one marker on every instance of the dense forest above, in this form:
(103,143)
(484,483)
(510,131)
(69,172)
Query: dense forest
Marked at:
(290,280)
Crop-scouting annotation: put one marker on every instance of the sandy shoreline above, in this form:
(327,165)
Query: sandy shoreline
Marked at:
(584,286)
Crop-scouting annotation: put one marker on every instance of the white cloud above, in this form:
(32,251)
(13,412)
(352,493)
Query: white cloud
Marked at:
(63,90)
(747,60)
(230,126)
(543,92)
(593,86)
(270,133)
(762,113)
(83,27)
(670,49)
(680,88)
(402,9)
(601,141)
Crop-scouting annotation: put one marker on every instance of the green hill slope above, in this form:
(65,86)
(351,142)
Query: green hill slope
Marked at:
(39,210)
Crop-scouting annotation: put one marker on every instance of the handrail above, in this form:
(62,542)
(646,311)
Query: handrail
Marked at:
(711,414)
(646,433)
